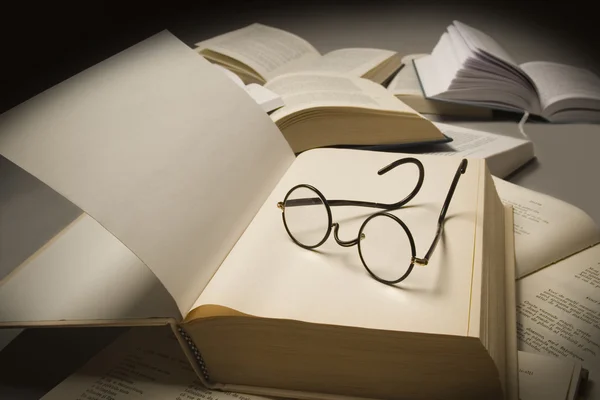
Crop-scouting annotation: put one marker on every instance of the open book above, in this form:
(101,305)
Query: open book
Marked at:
(406,87)
(259,53)
(330,100)
(182,225)
(468,66)
(326,109)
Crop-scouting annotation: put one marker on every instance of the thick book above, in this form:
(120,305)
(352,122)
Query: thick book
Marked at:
(186,221)
(468,66)
(326,109)
(259,53)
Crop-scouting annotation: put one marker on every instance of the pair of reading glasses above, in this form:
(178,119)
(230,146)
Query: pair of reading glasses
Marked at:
(307,218)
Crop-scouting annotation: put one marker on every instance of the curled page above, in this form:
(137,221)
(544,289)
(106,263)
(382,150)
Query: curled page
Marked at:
(160,148)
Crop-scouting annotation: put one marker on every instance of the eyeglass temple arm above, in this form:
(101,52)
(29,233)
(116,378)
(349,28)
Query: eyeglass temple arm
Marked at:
(462,168)
(392,206)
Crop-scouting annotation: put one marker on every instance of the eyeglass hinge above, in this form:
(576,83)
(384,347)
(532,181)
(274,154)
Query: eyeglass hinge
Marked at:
(280,205)
(420,261)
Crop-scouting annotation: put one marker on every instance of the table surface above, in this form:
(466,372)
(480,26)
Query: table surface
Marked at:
(566,167)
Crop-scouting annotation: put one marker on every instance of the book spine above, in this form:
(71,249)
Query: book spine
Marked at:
(195,352)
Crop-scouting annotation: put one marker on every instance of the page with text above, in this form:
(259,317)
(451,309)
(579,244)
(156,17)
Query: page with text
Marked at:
(267,50)
(503,154)
(143,363)
(546,229)
(556,82)
(309,90)
(557,312)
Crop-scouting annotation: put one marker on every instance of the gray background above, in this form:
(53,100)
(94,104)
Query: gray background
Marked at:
(566,167)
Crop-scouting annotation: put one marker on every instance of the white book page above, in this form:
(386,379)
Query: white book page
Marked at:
(267,50)
(480,41)
(83,274)
(546,229)
(159,147)
(556,82)
(143,363)
(406,81)
(437,70)
(557,313)
(503,154)
(352,61)
(310,90)
(543,377)
(460,47)
(267,274)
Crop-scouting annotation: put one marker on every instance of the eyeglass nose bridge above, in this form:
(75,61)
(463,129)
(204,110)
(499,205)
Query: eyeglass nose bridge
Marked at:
(345,243)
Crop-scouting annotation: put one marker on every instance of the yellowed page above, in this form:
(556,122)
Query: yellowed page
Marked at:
(269,51)
(310,90)
(161,148)
(546,229)
(557,312)
(142,363)
(267,274)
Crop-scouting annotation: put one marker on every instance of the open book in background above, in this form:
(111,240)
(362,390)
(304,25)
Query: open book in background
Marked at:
(326,109)
(259,53)
(406,87)
(330,100)
(181,227)
(468,66)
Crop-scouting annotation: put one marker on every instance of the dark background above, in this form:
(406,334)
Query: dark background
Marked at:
(45,43)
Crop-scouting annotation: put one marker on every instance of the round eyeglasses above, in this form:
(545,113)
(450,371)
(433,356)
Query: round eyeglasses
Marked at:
(384,241)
